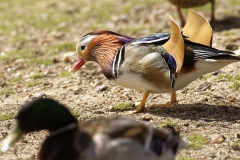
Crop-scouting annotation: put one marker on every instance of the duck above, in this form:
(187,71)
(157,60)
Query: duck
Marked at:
(157,63)
(193,3)
(99,139)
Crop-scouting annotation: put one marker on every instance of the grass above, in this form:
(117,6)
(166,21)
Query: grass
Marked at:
(74,112)
(236,145)
(24,54)
(196,141)
(36,76)
(33,83)
(168,124)
(235,79)
(16,79)
(6,116)
(123,107)
(64,46)
(65,74)
(6,93)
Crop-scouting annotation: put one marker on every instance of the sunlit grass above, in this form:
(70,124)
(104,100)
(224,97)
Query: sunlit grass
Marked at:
(196,141)
(36,76)
(168,124)
(6,116)
(123,107)
(235,79)
(65,74)
(16,79)
(65,46)
(6,92)
(33,83)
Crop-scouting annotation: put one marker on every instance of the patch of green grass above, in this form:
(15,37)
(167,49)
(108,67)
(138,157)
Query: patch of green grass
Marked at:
(17,54)
(29,57)
(230,78)
(74,112)
(185,158)
(33,83)
(168,124)
(40,61)
(235,85)
(5,116)
(236,145)
(196,141)
(6,92)
(65,46)
(65,74)
(36,76)
(16,79)
(123,107)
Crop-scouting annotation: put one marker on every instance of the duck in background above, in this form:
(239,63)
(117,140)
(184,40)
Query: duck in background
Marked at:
(192,3)
(116,138)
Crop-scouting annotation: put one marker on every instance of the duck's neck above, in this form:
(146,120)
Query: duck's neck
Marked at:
(106,56)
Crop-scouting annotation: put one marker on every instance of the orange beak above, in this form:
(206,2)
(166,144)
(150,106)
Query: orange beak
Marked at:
(79,63)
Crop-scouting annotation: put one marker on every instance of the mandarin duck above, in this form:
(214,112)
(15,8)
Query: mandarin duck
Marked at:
(191,3)
(98,139)
(157,63)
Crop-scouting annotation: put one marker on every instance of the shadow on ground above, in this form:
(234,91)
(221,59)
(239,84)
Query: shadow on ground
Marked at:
(226,23)
(199,112)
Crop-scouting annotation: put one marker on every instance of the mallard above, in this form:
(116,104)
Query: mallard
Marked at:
(115,138)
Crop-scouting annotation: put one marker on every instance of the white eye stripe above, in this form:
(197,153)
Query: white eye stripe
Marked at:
(84,41)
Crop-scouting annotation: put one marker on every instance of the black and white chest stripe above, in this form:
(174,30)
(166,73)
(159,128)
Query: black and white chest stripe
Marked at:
(117,61)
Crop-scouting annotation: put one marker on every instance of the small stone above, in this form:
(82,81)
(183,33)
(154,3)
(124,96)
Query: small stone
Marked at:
(68,57)
(39,95)
(110,107)
(99,112)
(231,47)
(101,88)
(24,141)
(147,118)
(25,90)
(204,86)
(217,138)
(46,83)
(136,103)
(217,72)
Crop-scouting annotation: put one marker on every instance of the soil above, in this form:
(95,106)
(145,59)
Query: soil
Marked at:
(207,106)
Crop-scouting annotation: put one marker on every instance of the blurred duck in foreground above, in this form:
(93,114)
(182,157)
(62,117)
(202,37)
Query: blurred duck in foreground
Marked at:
(117,138)
(158,63)
(189,4)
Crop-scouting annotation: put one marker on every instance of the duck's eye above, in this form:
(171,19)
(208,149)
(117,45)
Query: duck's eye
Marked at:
(83,47)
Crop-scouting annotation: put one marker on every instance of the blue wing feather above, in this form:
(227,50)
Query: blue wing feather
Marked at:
(153,38)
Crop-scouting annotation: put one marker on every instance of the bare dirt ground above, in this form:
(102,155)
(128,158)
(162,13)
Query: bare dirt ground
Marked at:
(207,107)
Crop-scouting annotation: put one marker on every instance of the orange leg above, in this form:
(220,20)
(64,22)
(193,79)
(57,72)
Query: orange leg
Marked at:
(172,102)
(141,107)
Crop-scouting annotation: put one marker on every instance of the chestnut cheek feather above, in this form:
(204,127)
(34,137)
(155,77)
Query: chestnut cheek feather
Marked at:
(79,63)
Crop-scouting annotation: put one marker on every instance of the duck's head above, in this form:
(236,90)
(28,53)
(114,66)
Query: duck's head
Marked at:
(99,46)
(39,114)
